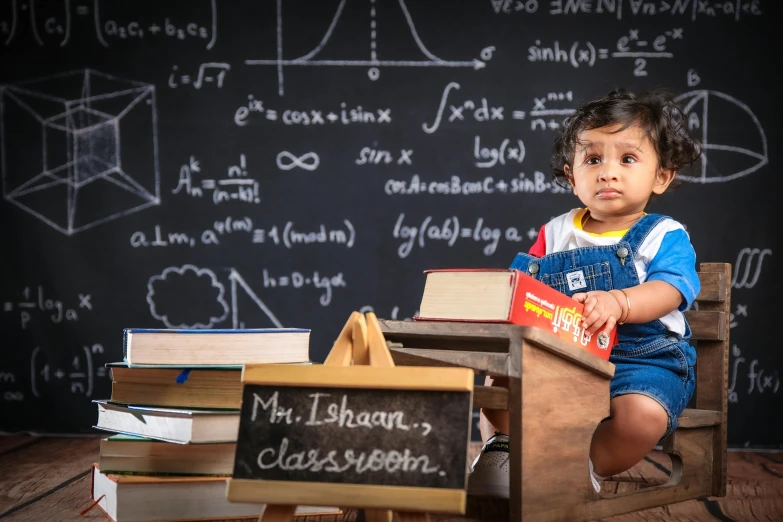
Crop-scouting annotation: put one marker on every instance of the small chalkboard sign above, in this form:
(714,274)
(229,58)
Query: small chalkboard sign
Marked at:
(354,436)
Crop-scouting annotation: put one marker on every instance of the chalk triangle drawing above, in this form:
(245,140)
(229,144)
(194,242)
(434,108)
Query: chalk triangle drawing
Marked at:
(237,283)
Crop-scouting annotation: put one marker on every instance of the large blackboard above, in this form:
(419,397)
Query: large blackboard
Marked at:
(226,164)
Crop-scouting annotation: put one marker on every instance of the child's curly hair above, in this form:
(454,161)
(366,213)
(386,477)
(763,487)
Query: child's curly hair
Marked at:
(655,112)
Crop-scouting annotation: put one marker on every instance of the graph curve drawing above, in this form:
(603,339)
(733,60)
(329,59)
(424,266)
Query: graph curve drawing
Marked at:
(373,63)
(79,149)
(723,159)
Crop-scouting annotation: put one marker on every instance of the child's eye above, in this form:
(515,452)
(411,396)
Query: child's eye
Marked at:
(593,160)
(629,159)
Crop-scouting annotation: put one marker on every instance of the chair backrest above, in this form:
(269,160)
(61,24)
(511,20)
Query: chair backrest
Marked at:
(710,321)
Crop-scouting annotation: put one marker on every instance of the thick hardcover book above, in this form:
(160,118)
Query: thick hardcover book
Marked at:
(183,426)
(140,498)
(200,387)
(507,296)
(194,348)
(124,454)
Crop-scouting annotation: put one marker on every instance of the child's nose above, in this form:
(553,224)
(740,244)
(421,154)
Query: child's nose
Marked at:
(607,173)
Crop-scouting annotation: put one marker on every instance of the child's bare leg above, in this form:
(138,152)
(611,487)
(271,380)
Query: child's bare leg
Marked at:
(489,472)
(491,421)
(636,425)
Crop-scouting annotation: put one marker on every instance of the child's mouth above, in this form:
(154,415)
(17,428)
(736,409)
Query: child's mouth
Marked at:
(608,193)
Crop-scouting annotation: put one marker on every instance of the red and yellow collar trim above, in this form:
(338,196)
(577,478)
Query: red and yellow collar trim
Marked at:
(579,219)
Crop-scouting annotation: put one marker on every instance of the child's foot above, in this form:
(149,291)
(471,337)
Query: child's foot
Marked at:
(595,479)
(489,472)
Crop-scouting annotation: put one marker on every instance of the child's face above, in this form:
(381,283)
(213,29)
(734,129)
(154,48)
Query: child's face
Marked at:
(615,173)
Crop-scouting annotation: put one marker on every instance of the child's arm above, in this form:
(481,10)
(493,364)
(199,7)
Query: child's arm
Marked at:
(649,301)
(539,247)
(671,284)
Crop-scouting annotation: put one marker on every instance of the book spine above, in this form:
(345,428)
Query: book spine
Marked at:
(560,316)
(517,300)
(524,283)
(92,481)
(207,331)
(125,346)
(163,474)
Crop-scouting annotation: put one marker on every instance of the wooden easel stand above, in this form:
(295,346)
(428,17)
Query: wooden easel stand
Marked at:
(360,342)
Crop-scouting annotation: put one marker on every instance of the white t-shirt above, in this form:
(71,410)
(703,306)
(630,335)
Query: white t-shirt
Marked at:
(676,265)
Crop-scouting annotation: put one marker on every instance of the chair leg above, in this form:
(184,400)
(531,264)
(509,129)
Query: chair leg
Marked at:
(691,452)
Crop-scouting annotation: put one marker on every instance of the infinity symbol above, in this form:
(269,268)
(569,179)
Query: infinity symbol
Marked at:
(308,161)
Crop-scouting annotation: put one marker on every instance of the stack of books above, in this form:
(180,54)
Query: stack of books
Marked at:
(174,411)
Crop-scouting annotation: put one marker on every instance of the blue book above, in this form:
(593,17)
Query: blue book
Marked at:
(209,348)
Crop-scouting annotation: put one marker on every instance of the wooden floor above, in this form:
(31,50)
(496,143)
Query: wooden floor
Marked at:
(47,479)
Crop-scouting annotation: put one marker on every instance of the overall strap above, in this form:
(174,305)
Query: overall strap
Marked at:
(640,230)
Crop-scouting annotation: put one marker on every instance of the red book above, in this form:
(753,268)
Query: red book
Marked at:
(499,295)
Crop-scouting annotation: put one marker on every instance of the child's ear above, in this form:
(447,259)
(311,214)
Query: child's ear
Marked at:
(570,177)
(663,179)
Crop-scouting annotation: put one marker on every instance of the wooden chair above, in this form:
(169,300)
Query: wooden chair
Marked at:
(557,395)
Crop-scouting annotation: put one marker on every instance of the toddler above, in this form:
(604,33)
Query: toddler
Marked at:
(629,268)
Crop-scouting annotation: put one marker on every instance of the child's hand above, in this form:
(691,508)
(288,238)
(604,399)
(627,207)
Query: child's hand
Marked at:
(601,310)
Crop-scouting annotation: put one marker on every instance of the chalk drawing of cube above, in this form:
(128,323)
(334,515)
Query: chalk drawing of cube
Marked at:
(80,148)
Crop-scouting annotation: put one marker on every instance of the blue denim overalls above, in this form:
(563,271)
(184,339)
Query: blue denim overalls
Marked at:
(649,359)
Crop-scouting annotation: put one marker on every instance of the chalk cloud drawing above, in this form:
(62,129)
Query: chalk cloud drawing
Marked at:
(193,297)
(170,296)
(707,112)
(79,148)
